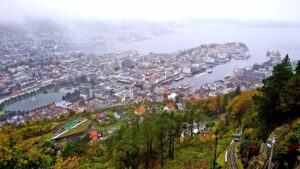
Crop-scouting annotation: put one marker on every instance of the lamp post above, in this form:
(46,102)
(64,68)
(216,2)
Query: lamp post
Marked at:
(241,132)
(273,141)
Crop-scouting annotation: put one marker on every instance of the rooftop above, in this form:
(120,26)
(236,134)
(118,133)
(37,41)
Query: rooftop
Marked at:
(73,127)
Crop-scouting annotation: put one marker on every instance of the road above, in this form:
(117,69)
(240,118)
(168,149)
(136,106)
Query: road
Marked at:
(232,157)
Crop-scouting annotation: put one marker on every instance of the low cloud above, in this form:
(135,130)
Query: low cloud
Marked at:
(155,10)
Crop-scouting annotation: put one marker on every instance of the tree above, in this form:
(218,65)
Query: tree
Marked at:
(239,105)
(172,134)
(213,105)
(7,143)
(178,118)
(286,62)
(290,98)
(15,152)
(298,68)
(189,118)
(68,163)
(269,103)
(148,137)
(221,104)
(162,125)
(215,152)
(75,148)
(237,91)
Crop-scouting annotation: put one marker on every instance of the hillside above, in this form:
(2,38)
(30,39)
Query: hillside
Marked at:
(193,133)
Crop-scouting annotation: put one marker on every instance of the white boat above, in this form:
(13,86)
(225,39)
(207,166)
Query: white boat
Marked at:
(200,74)
(184,86)
(239,71)
(178,78)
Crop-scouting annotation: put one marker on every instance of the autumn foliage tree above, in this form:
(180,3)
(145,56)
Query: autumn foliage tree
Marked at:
(217,104)
(15,152)
(240,104)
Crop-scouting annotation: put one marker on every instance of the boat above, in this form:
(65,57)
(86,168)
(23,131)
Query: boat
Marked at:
(242,57)
(185,86)
(247,56)
(239,71)
(200,74)
(167,81)
(209,71)
(194,84)
(125,81)
(178,78)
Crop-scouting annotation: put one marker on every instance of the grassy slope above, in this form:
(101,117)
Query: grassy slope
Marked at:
(198,153)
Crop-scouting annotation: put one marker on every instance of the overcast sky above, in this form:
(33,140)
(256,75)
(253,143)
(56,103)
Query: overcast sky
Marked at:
(151,10)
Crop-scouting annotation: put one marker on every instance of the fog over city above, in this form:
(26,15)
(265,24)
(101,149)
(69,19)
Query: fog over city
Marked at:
(154,10)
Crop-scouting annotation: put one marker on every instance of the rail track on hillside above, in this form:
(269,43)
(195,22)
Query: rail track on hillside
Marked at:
(232,157)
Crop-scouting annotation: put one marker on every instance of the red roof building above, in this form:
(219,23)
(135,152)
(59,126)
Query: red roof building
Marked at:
(165,90)
(169,107)
(141,110)
(93,135)
(101,117)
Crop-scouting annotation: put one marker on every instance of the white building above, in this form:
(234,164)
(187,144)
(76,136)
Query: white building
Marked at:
(172,96)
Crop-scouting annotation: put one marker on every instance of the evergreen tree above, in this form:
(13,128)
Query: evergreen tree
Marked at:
(298,68)
(268,104)
(286,62)
(290,98)
(237,91)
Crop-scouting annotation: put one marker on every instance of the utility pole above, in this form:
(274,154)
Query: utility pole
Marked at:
(240,141)
(273,141)
(216,144)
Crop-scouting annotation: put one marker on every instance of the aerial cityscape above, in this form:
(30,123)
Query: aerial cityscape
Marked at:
(120,78)
(136,89)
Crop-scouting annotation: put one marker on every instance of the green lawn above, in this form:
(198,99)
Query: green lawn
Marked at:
(77,129)
(69,125)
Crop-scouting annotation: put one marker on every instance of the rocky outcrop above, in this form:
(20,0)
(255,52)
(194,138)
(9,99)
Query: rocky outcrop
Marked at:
(283,146)
(259,162)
